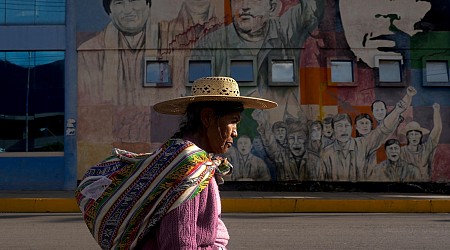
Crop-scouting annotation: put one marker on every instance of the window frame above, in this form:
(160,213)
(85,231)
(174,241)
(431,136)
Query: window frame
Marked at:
(330,73)
(424,71)
(189,83)
(254,66)
(295,81)
(403,76)
(167,84)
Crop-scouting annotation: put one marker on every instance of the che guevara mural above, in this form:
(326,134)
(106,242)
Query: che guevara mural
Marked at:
(362,85)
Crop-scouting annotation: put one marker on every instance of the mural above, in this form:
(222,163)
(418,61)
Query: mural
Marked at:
(364,128)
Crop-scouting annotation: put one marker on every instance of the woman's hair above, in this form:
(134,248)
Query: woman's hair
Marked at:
(192,122)
(107,5)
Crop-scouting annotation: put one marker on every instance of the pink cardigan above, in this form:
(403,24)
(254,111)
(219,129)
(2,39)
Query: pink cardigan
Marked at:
(195,224)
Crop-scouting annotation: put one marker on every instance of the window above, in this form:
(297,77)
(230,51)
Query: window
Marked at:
(22,12)
(437,71)
(341,71)
(32,101)
(157,73)
(389,71)
(282,72)
(198,67)
(243,71)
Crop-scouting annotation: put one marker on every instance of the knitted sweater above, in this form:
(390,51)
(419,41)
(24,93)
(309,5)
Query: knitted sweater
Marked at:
(195,224)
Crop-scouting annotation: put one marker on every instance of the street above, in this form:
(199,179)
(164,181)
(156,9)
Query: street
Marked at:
(253,231)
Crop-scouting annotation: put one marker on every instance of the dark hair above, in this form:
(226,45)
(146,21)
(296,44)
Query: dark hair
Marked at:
(390,142)
(107,5)
(371,106)
(192,122)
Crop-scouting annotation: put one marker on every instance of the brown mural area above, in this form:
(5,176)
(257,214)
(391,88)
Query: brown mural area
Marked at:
(340,116)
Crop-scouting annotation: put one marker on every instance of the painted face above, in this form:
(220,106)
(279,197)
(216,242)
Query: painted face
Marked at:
(244,145)
(316,132)
(280,134)
(414,137)
(327,130)
(296,143)
(393,152)
(257,144)
(342,130)
(250,16)
(364,126)
(221,132)
(379,111)
(129,16)
(382,25)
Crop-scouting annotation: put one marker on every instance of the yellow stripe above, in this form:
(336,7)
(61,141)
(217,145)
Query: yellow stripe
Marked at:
(254,205)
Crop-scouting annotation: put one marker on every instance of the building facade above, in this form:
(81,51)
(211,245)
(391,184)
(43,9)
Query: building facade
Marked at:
(362,86)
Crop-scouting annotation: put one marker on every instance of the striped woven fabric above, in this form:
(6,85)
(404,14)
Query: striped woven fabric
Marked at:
(126,194)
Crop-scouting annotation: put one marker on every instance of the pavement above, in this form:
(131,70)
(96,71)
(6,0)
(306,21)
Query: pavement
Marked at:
(256,202)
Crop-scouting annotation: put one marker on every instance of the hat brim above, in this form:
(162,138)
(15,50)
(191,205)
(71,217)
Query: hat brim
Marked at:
(424,131)
(178,106)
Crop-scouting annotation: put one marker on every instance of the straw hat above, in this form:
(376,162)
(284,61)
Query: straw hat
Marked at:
(218,88)
(414,126)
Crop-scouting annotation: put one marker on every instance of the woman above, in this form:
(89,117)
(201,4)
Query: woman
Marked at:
(168,199)
(363,124)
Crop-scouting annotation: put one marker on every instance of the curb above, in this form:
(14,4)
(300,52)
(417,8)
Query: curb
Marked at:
(255,205)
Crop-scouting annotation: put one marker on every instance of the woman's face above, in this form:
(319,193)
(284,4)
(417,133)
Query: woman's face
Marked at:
(364,126)
(221,131)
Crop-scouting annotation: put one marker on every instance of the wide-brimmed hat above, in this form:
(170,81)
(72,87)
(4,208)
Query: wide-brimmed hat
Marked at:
(207,89)
(414,126)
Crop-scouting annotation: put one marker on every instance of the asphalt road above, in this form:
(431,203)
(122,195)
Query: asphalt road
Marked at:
(254,231)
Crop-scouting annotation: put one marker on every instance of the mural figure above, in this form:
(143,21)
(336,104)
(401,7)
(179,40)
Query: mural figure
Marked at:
(314,151)
(295,168)
(111,63)
(284,144)
(418,153)
(379,110)
(255,32)
(384,28)
(327,131)
(247,166)
(394,168)
(259,151)
(363,124)
(347,159)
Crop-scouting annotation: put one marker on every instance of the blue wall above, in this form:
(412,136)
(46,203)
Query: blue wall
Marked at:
(32,173)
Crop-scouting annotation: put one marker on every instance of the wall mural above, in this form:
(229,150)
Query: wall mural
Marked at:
(367,129)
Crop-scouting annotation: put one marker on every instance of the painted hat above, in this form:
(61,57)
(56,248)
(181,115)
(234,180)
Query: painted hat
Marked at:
(414,126)
(207,89)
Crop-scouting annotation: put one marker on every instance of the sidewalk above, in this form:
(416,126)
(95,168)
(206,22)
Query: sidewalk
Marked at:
(252,202)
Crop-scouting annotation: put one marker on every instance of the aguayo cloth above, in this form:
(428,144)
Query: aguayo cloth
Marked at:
(126,194)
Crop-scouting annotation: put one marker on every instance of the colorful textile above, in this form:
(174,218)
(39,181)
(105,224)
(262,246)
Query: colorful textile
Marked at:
(126,194)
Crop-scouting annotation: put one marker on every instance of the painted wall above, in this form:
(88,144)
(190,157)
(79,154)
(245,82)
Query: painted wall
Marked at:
(33,171)
(312,135)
